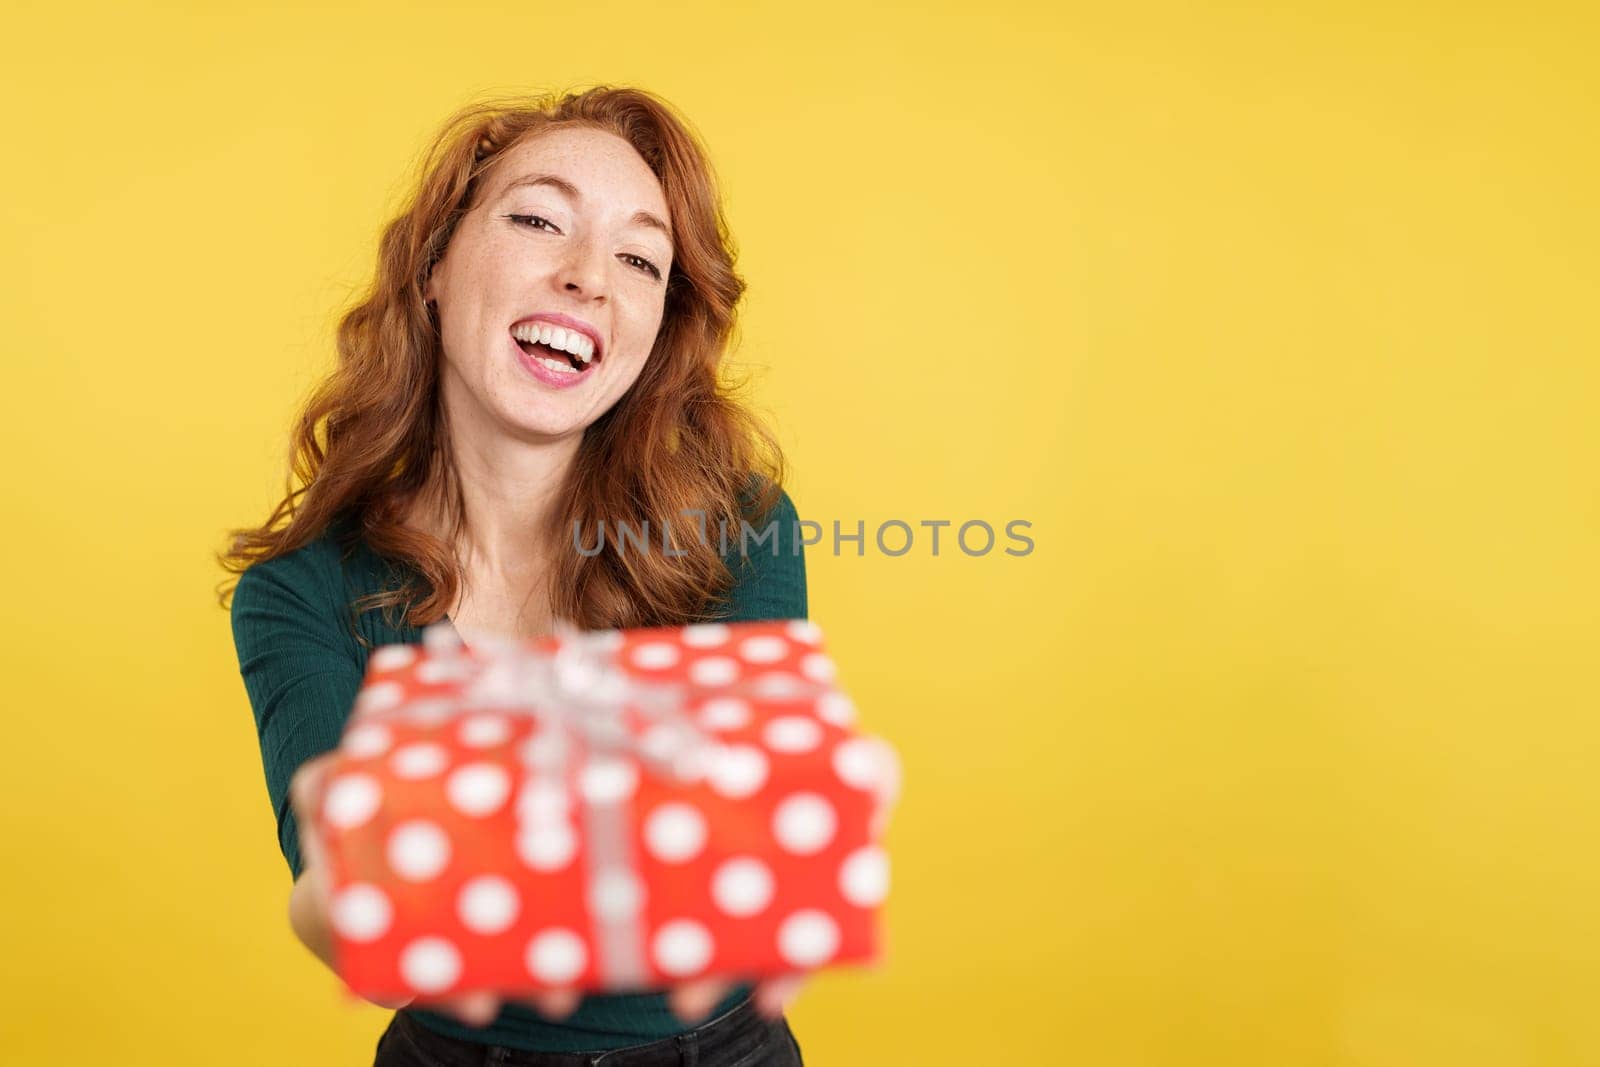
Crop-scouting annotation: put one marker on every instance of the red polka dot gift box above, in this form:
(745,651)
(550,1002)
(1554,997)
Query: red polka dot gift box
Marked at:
(609,811)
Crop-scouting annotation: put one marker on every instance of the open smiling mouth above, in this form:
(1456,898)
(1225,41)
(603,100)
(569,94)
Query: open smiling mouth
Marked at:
(558,350)
(555,358)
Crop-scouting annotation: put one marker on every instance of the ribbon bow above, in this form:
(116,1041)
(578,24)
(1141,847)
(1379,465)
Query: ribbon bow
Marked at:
(578,693)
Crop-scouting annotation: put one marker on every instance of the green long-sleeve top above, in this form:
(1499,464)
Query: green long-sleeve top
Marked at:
(302,667)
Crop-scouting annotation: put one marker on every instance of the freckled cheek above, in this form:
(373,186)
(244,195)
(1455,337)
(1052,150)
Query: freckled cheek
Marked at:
(496,269)
(640,334)
(638,346)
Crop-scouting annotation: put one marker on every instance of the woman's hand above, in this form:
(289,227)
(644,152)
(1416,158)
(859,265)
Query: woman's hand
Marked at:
(693,1001)
(690,1001)
(310,916)
(310,902)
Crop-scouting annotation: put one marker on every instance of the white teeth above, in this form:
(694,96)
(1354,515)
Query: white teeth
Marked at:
(556,337)
(560,365)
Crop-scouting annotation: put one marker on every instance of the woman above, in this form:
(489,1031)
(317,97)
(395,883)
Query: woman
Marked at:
(538,356)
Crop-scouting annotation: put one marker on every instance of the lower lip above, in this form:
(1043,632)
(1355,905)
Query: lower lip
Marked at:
(553,378)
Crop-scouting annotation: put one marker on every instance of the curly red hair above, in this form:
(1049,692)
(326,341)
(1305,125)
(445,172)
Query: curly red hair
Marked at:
(678,440)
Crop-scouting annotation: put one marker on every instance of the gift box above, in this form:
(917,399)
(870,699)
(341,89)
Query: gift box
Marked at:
(608,811)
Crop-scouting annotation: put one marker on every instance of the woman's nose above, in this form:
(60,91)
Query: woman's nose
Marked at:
(583,269)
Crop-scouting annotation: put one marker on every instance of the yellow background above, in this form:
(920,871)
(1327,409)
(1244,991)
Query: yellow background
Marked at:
(1278,326)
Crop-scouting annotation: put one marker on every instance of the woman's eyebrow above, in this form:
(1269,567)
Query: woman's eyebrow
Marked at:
(570,191)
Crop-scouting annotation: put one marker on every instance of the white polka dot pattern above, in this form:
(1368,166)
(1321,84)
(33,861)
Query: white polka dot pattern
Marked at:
(608,780)
(441,671)
(380,697)
(488,904)
(779,685)
(366,740)
(737,771)
(808,938)
(423,759)
(857,763)
(393,657)
(478,789)
(351,800)
(461,821)
(430,964)
(804,631)
(743,886)
(838,709)
(724,713)
(817,667)
(557,956)
(682,948)
(484,731)
(655,656)
(804,823)
(675,832)
(543,802)
(705,635)
(713,670)
(431,711)
(792,733)
(418,850)
(441,639)
(361,912)
(763,649)
(547,847)
(864,877)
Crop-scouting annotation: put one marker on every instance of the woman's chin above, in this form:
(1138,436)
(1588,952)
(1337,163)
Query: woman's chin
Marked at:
(544,418)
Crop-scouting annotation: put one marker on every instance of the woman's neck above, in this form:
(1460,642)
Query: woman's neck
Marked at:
(506,541)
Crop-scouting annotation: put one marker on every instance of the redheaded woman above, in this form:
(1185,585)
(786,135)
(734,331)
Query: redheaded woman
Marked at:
(536,364)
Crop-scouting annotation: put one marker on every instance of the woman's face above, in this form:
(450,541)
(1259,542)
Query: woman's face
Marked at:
(570,232)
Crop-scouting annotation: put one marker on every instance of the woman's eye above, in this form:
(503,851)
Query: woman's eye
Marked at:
(529,220)
(644,265)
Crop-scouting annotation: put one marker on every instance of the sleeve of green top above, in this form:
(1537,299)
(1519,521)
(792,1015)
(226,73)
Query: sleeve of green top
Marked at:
(770,577)
(299,671)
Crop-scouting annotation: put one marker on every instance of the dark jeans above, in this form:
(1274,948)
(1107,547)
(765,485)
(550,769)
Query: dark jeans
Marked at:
(738,1038)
